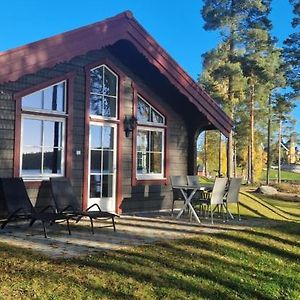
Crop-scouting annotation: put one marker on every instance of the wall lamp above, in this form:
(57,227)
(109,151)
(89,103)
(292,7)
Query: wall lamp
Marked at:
(130,123)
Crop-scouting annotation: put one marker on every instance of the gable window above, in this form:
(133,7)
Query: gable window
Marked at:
(43,132)
(150,141)
(103,93)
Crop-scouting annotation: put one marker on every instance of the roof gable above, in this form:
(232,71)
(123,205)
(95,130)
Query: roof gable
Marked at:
(63,47)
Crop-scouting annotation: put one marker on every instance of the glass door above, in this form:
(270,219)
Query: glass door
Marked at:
(102,166)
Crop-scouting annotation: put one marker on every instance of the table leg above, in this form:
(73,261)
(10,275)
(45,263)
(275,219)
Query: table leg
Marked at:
(188,204)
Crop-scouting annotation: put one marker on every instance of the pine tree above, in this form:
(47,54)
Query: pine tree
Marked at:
(282,107)
(292,53)
(262,65)
(242,70)
(223,76)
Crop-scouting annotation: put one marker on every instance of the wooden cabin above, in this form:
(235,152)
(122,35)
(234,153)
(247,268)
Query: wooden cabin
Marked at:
(107,107)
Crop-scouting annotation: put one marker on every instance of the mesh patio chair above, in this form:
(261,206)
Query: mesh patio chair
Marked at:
(215,197)
(233,194)
(18,206)
(177,195)
(67,203)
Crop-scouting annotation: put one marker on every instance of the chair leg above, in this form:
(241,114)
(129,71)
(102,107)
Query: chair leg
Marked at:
(32,221)
(92,225)
(44,228)
(4,224)
(223,215)
(172,208)
(68,225)
(113,221)
(238,209)
(78,219)
(211,214)
(10,217)
(226,212)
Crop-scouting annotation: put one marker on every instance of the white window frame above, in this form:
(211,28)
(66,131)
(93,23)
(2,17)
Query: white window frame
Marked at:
(92,201)
(48,115)
(156,127)
(48,111)
(152,175)
(153,108)
(97,117)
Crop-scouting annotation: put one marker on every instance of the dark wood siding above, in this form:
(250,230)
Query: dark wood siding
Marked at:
(149,197)
(7,119)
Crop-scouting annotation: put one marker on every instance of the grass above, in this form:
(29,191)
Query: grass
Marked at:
(285,175)
(256,205)
(256,263)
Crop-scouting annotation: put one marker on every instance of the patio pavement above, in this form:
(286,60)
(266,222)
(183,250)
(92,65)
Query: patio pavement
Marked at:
(131,230)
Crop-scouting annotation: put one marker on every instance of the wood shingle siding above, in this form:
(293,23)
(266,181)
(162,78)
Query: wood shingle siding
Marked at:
(7,125)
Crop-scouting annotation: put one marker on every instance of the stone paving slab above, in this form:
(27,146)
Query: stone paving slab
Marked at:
(131,231)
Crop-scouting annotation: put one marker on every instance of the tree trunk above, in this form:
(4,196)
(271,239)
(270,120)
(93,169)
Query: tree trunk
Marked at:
(234,159)
(229,155)
(279,154)
(269,144)
(251,140)
(249,165)
(220,155)
(205,155)
(231,104)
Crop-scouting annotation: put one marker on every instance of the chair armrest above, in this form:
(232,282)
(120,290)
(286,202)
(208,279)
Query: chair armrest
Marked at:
(94,205)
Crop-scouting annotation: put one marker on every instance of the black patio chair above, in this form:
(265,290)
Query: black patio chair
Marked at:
(18,206)
(67,203)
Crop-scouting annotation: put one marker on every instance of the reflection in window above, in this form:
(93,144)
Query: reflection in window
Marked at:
(150,141)
(101,161)
(149,151)
(103,92)
(42,138)
(147,113)
(50,99)
(41,147)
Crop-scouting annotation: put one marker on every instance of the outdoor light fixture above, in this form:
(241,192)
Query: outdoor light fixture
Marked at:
(129,124)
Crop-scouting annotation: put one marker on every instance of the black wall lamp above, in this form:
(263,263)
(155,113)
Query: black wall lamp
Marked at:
(130,123)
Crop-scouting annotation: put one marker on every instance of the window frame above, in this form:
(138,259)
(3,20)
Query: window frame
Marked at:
(67,116)
(120,130)
(47,111)
(149,123)
(104,118)
(150,178)
(63,146)
(146,176)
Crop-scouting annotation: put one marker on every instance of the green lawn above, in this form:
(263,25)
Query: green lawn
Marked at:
(285,175)
(258,263)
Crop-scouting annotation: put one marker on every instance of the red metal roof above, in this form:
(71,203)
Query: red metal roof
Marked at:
(63,47)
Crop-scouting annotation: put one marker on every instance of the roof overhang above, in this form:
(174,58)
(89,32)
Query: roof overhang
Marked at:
(60,48)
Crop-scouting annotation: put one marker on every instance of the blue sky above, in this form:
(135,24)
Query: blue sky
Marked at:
(175,24)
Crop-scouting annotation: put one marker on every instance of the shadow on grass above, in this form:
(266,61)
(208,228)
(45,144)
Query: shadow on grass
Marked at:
(175,276)
(261,202)
(57,278)
(256,212)
(264,247)
(202,267)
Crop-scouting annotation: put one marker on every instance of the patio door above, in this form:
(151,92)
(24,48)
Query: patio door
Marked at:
(102,166)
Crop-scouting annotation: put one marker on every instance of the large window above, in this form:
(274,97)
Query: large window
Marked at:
(103,92)
(150,141)
(42,132)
